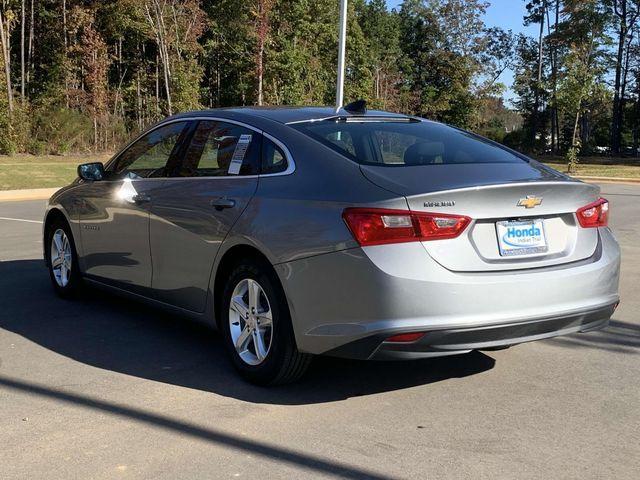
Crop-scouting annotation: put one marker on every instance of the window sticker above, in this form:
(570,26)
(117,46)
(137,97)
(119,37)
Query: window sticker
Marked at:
(238,154)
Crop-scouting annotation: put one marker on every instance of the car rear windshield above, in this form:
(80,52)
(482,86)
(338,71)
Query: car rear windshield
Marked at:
(405,143)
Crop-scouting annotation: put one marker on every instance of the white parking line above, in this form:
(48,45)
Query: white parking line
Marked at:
(21,220)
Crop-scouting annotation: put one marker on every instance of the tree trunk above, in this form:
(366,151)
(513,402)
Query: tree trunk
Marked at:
(574,138)
(138,100)
(157,81)
(95,131)
(6,57)
(536,105)
(218,81)
(23,18)
(262,31)
(260,70)
(555,120)
(616,122)
(31,41)
(66,51)
(623,92)
(156,22)
(585,129)
(636,127)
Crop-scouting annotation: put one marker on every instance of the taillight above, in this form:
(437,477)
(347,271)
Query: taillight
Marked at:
(594,215)
(375,226)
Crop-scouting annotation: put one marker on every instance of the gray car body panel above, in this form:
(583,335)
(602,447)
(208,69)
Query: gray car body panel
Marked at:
(400,288)
(337,292)
(184,217)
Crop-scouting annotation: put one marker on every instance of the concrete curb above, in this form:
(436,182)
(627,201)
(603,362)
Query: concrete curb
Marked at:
(24,195)
(630,181)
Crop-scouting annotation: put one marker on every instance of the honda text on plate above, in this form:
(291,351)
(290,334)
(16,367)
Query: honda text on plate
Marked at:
(366,235)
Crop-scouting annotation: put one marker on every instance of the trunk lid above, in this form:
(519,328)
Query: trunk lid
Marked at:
(490,194)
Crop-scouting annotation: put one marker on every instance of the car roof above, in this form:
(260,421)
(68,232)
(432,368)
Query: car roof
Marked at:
(289,114)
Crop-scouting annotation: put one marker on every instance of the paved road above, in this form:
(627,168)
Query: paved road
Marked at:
(105,388)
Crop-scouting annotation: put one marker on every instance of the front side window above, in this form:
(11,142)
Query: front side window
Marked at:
(149,156)
(406,143)
(221,149)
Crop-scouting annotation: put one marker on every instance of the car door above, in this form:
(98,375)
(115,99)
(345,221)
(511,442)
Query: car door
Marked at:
(198,205)
(114,215)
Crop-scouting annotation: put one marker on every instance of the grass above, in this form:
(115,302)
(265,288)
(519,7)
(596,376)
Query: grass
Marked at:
(45,171)
(594,170)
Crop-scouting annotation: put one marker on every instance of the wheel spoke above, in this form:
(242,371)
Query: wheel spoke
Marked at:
(237,304)
(254,295)
(243,339)
(56,262)
(58,243)
(258,343)
(63,274)
(265,319)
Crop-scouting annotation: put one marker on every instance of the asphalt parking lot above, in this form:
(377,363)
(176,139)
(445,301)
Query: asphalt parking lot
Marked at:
(106,388)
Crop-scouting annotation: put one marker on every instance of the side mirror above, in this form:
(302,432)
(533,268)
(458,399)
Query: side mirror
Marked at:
(92,172)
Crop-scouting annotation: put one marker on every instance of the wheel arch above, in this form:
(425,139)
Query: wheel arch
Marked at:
(54,213)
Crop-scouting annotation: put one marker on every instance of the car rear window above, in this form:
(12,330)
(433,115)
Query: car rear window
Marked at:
(406,143)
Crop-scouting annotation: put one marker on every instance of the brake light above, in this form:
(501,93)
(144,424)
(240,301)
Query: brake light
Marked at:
(594,215)
(375,226)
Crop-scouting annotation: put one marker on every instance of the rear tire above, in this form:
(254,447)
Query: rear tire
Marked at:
(255,317)
(62,259)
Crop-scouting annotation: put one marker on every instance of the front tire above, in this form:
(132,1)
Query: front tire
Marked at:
(257,329)
(62,259)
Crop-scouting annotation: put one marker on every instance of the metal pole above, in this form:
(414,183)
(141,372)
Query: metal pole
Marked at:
(341,54)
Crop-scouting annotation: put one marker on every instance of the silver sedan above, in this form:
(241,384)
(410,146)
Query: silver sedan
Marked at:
(369,235)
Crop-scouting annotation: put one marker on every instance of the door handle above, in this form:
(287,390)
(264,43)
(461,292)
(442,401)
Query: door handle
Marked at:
(141,198)
(222,203)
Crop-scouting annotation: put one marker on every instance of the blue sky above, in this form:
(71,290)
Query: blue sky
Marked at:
(501,13)
(506,14)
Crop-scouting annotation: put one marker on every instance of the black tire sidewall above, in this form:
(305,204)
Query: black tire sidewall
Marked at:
(282,341)
(72,287)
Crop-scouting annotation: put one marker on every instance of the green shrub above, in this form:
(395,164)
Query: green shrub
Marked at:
(37,147)
(63,130)
(572,159)
(14,131)
(7,146)
(516,140)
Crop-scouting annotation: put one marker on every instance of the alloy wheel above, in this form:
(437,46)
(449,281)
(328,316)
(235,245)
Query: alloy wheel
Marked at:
(250,322)
(61,258)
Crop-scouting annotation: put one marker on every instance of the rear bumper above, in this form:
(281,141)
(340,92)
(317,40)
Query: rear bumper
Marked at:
(463,340)
(347,303)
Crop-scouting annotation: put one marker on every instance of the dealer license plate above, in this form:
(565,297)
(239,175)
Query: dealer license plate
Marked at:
(521,237)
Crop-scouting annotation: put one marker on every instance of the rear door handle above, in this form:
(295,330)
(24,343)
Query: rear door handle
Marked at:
(141,198)
(222,203)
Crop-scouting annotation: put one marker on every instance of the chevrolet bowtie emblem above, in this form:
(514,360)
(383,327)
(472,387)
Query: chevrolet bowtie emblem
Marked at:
(530,202)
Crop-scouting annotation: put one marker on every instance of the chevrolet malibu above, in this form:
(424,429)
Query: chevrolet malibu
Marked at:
(367,235)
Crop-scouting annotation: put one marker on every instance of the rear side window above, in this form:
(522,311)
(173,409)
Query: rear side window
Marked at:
(400,143)
(221,149)
(273,158)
